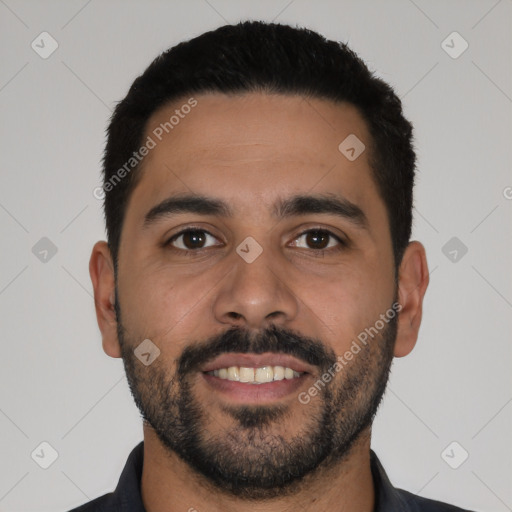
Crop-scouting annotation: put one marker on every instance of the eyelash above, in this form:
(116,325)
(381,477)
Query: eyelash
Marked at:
(342,244)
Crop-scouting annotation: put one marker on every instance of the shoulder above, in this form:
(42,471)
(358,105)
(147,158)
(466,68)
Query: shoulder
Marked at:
(126,496)
(417,503)
(100,504)
(392,499)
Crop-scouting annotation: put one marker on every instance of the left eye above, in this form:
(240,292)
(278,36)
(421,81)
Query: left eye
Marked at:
(319,239)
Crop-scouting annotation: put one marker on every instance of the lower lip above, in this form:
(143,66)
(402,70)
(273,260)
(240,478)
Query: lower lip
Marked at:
(242,392)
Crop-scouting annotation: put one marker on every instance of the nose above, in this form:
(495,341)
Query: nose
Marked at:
(257,294)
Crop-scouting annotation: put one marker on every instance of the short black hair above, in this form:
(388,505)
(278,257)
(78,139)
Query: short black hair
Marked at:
(254,56)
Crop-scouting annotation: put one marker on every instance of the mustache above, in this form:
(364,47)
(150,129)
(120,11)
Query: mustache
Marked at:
(272,339)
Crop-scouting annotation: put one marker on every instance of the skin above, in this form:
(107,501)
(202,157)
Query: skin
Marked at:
(250,150)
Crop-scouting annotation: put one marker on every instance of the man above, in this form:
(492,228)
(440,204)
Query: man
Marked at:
(259,276)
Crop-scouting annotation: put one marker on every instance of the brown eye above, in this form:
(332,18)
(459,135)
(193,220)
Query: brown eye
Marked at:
(319,239)
(191,239)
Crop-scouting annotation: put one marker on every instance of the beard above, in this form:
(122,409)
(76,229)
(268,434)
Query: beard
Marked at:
(255,457)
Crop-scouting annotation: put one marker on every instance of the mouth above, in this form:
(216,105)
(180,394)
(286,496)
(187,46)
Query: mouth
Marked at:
(255,378)
(260,375)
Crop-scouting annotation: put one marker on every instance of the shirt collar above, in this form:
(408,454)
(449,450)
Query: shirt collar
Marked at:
(127,496)
(387,498)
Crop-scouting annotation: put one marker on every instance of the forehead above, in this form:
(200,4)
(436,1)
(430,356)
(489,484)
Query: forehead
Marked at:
(253,148)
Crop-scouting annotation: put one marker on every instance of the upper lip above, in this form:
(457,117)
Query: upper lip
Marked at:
(257,361)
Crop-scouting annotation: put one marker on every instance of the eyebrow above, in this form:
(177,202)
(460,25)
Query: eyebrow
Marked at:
(283,208)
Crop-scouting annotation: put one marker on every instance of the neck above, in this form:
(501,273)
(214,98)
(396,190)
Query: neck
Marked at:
(169,484)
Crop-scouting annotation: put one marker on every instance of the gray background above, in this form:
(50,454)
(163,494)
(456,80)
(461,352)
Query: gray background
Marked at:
(58,386)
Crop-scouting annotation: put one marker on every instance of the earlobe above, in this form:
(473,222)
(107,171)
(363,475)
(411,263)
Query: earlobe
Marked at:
(413,280)
(101,270)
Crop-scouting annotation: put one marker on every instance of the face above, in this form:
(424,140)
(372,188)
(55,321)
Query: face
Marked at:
(257,287)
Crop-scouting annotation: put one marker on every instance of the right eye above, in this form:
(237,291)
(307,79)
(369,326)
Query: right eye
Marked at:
(190,240)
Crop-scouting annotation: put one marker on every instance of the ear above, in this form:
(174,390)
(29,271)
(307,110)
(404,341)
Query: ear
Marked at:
(413,279)
(101,270)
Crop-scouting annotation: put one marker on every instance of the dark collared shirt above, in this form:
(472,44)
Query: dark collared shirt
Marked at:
(127,498)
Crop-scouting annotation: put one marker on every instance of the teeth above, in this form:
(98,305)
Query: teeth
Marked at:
(278,373)
(264,374)
(288,373)
(246,374)
(233,373)
(255,375)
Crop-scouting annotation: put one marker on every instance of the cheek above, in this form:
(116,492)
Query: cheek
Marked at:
(347,303)
(161,304)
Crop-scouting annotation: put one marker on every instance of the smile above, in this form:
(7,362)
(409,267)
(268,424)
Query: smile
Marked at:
(259,375)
